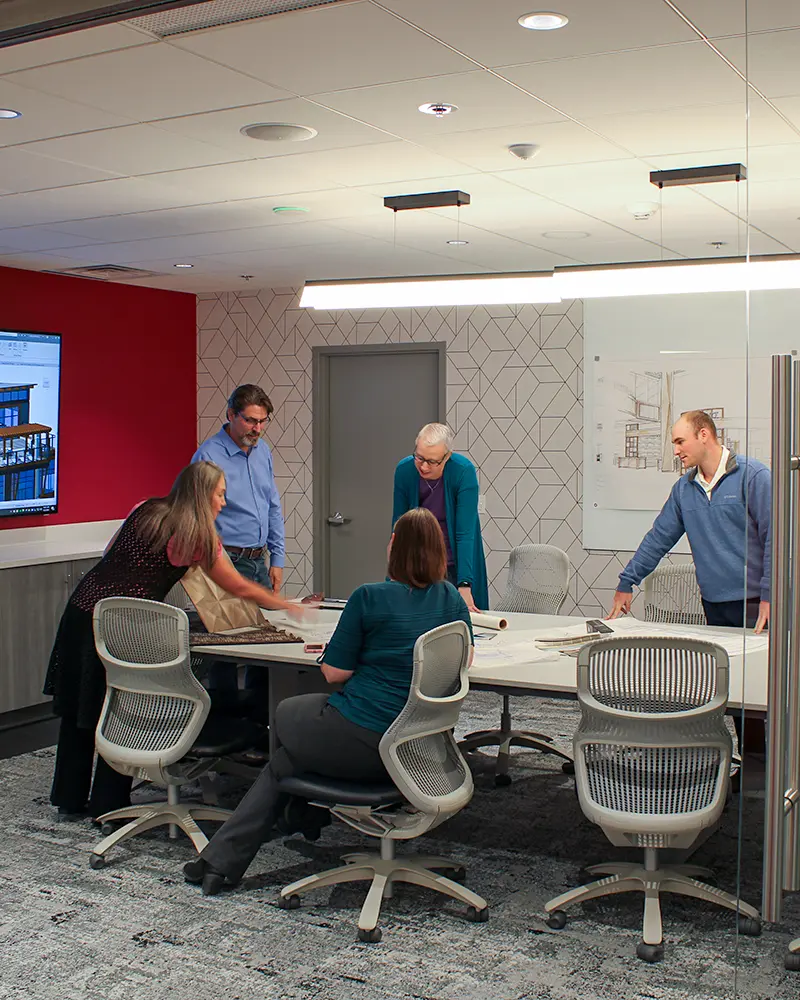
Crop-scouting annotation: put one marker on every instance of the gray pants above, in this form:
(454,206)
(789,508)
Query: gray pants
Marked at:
(315,737)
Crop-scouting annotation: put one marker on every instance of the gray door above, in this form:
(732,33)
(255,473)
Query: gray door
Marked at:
(369,403)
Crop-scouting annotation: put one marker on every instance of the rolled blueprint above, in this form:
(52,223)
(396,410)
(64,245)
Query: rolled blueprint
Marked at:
(488,621)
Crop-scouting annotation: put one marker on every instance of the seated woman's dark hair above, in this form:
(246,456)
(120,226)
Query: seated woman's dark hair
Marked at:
(418,557)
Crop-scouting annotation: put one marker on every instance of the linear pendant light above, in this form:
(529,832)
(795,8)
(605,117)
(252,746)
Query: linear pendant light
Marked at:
(676,277)
(673,277)
(472,290)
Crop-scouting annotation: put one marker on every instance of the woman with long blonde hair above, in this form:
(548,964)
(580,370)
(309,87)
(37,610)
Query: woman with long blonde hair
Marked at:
(159,540)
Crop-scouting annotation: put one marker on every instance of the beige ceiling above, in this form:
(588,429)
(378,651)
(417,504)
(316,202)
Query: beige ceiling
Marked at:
(129,150)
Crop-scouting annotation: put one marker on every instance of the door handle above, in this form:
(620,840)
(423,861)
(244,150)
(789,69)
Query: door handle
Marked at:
(337,519)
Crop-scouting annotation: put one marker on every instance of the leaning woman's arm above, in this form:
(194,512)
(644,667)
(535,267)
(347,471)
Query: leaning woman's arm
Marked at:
(225,576)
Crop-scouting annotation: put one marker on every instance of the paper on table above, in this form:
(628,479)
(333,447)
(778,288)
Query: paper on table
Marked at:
(488,621)
(732,644)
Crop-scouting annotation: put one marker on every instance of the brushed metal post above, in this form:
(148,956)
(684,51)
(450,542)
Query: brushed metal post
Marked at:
(791,877)
(774,806)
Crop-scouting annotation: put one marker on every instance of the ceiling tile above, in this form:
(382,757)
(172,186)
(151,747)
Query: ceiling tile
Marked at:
(697,128)
(280,175)
(715,18)
(34,238)
(326,49)
(560,143)
(483,102)
(380,163)
(147,83)
(221,128)
(44,115)
(134,149)
(23,170)
(71,45)
(676,75)
(490,33)
(770,59)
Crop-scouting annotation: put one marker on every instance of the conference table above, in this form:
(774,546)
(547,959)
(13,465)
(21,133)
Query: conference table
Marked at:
(505,662)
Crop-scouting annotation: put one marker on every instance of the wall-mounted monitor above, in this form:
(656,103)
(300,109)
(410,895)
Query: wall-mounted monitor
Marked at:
(30,384)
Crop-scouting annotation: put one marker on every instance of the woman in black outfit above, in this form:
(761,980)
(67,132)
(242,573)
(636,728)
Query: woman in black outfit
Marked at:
(160,539)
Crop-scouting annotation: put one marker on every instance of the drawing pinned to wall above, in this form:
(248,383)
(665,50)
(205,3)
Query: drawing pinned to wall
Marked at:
(636,405)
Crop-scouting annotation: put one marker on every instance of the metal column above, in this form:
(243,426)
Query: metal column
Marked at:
(791,880)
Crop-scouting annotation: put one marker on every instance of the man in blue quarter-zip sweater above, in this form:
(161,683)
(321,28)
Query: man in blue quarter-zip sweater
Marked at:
(723,504)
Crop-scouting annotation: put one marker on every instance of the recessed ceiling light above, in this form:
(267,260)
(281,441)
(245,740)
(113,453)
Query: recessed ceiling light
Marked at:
(438,109)
(278,132)
(281,209)
(183,265)
(458,243)
(543,20)
(565,234)
(10,113)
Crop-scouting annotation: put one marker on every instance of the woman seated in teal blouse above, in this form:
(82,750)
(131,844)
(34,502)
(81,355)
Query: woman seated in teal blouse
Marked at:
(371,654)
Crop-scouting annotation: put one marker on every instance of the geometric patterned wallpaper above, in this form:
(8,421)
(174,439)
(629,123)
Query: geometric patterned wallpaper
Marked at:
(514,400)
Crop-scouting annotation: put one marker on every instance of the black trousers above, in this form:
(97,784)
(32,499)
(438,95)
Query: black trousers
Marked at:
(315,737)
(735,614)
(72,778)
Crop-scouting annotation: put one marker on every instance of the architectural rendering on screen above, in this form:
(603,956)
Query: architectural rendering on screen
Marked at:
(30,365)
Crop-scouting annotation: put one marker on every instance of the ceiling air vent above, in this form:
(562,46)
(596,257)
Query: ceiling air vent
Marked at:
(214,13)
(106,272)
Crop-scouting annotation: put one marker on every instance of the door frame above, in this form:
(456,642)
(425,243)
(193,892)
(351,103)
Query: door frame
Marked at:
(320,408)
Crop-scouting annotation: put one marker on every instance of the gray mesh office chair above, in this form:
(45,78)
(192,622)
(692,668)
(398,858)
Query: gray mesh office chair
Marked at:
(430,783)
(652,758)
(671,596)
(153,715)
(538,580)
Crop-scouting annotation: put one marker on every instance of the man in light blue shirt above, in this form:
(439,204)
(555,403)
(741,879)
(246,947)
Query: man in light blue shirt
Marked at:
(251,523)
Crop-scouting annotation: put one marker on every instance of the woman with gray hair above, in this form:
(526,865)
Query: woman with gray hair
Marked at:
(446,484)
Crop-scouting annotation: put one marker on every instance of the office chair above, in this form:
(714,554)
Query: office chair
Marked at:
(153,723)
(538,580)
(430,782)
(671,596)
(652,760)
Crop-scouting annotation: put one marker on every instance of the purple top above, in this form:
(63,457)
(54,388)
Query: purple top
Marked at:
(431,497)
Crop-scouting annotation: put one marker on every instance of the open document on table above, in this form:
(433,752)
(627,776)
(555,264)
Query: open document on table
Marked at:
(733,643)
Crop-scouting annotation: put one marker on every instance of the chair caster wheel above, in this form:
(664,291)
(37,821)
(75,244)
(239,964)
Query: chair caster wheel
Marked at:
(97,861)
(557,920)
(289,902)
(458,875)
(568,767)
(792,961)
(502,781)
(478,916)
(649,952)
(369,936)
(749,926)
(108,828)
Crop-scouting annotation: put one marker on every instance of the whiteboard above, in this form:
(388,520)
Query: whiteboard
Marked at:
(647,359)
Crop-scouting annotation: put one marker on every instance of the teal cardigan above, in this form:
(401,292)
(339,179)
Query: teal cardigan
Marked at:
(463,525)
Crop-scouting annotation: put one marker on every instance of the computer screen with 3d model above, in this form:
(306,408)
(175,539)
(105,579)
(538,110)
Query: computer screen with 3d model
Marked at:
(30,383)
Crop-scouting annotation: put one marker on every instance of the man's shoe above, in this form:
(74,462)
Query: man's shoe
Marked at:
(200,872)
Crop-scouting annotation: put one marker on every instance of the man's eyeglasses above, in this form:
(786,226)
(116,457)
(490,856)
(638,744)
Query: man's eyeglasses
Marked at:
(434,463)
(254,421)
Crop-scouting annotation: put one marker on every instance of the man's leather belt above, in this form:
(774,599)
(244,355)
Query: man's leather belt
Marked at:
(236,550)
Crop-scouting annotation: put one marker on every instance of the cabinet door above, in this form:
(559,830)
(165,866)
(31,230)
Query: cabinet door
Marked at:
(32,599)
(78,570)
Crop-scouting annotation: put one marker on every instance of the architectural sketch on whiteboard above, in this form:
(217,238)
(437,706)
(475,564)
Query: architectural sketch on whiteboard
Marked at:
(637,404)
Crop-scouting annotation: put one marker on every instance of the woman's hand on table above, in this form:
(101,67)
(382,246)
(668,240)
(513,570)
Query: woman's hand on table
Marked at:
(466,593)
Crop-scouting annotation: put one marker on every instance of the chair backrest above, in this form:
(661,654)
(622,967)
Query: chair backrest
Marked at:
(419,750)
(652,753)
(671,595)
(154,707)
(538,580)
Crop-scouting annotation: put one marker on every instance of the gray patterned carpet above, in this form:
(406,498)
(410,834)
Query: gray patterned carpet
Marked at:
(136,929)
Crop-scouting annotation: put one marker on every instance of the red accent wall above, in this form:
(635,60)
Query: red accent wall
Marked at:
(128,388)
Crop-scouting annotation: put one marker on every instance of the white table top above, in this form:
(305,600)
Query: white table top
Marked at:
(511,660)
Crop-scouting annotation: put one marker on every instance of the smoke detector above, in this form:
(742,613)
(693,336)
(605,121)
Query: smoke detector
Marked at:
(524,150)
(643,210)
(278,132)
(438,109)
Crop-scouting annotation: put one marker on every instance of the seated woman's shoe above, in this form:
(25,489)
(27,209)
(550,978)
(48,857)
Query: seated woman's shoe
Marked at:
(200,872)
